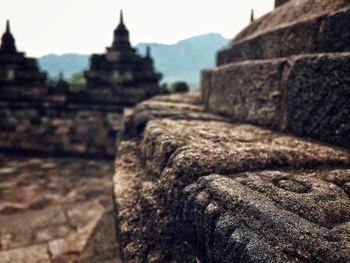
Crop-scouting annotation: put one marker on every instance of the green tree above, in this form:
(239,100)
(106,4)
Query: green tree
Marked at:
(179,86)
(77,81)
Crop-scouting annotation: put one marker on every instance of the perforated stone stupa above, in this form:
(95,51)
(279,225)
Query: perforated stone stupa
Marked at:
(16,70)
(121,75)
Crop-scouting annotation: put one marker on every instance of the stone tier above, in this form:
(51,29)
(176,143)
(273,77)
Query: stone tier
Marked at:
(175,106)
(54,128)
(201,190)
(297,27)
(307,95)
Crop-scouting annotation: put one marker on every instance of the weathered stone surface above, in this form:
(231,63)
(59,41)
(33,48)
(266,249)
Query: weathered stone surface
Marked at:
(56,210)
(268,216)
(219,147)
(290,13)
(32,254)
(128,182)
(140,218)
(297,27)
(150,180)
(308,95)
(247,91)
(318,98)
(176,106)
(54,128)
(194,188)
(193,97)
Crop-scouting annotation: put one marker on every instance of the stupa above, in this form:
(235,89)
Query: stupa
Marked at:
(121,75)
(17,71)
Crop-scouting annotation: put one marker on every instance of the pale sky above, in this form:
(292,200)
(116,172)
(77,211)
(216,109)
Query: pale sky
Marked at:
(86,26)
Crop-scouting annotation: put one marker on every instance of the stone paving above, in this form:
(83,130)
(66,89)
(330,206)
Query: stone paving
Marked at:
(56,210)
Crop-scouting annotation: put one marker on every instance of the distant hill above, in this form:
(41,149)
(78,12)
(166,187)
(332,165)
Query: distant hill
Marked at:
(67,63)
(180,61)
(185,59)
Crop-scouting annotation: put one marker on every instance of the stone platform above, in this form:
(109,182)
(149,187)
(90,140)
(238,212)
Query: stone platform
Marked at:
(297,27)
(306,94)
(56,210)
(289,71)
(208,190)
(248,170)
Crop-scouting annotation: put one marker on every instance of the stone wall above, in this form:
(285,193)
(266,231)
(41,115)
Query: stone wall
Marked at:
(59,128)
(307,95)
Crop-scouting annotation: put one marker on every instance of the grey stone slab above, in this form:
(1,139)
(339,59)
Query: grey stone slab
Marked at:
(268,216)
(152,218)
(318,98)
(309,32)
(307,95)
(193,148)
(175,106)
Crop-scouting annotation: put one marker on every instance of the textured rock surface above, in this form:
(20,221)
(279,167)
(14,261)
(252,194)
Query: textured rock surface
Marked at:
(269,216)
(248,91)
(219,147)
(191,187)
(55,128)
(141,218)
(318,98)
(293,12)
(126,191)
(56,210)
(308,95)
(174,106)
(298,27)
(169,207)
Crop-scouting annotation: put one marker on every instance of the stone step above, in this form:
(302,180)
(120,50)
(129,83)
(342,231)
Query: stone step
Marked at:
(175,106)
(277,176)
(308,95)
(314,26)
(193,148)
(269,216)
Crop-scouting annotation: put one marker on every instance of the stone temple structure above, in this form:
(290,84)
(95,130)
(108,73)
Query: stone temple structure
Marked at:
(255,167)
(37,118)
(16,70)
(121,75)
(56,148)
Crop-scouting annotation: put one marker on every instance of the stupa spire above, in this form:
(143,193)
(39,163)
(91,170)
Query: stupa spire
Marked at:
(8,26)
(252,15)
(121,18)
(148,52)
(121,36)
(7,40)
